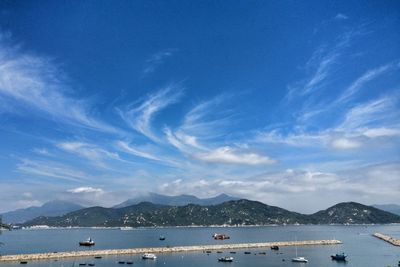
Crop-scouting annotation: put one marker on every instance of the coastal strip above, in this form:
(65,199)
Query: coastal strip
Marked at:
(88,253)
(389,239)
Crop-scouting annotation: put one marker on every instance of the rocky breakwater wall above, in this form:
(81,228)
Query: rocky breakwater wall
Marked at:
(389,239)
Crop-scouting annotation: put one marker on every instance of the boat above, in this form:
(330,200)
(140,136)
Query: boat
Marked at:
(220,236)
(339,257)
(149,256)
(274,247)
(89,242)
(299,259)
(226,259)
(162,238)
(247,252)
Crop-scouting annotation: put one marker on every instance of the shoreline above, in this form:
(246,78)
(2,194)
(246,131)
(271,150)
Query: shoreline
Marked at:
(73,254)
(46,227)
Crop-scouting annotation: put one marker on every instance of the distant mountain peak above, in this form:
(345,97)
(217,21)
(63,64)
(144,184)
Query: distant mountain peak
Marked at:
(179,200)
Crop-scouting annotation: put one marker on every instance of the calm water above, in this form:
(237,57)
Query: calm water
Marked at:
(362,248)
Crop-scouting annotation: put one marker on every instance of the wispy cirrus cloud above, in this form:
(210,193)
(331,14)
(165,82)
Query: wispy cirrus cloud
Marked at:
(365,78)
(51,169)
(141,117)
(93,153)
(38,83)
(157,59)
(359,126)
(128,148)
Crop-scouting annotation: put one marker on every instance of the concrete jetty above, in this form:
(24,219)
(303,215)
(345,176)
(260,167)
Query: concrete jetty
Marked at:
(389,239)
(90,253)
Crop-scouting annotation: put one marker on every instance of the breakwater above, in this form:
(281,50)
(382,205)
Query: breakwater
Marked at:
(389,239)
(90,253)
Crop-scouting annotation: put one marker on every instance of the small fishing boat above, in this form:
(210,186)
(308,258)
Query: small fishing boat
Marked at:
(149,256)
(247,252)
(88,242)
(162,238)
(274,247)
(220,236)
(339,257)
(226,259)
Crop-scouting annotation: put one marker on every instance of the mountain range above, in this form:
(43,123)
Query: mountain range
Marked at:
(180,200)
(57,207)
(52,208)
(232,213)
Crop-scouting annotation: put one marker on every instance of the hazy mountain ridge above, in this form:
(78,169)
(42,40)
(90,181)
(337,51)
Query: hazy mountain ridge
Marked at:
(393,208)
(51,208)
(180,200)
(239,212)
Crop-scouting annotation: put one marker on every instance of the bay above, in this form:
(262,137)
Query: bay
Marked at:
(362,248)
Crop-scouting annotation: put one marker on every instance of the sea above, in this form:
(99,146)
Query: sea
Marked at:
(362,248)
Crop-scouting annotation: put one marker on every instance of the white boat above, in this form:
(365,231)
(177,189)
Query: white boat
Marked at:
(149,256)
(299,259)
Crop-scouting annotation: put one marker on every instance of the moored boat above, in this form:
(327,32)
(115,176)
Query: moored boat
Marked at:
(339,257)
(149,256)
(226,259)
(299,259)
(220,236)
(89,242)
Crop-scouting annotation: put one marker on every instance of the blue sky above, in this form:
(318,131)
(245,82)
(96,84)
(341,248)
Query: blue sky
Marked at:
(291,103)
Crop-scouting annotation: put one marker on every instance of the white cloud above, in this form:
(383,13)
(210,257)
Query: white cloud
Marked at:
(37,83)
(157,59)
(86,190)
(341,16)
(345,143)
(381,132)
(41,151)
(140,118)
(231,156)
